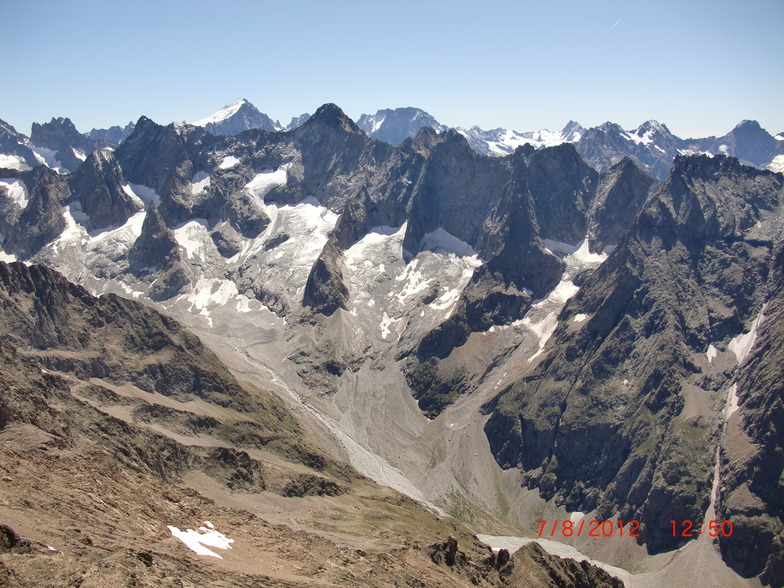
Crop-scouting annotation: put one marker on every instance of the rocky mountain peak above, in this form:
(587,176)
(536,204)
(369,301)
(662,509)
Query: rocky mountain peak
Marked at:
(424,141)
(112,136)
(42,219)
(298,121)
(8,133)
(156,245)
(572,131)
(654,126)
(237,116)
(395,125)
(709,198)
(61,136)
(100,185)
(332,116)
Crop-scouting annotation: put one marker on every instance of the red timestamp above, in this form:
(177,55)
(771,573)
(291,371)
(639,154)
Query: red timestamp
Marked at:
(589,528)
(693,529)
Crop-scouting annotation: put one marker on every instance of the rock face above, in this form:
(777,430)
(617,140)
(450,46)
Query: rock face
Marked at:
(104,338)
(156,253)
(750,143)
(112,136)
(236,117)
(160,158)
(60,135)
(396,125)
(19,157)
(751,453)
(28,230)
(622,191)
(531,565)
(621,415)
(102,191)
(297,121)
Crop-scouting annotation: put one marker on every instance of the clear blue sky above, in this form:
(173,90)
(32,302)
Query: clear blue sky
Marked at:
(698,66)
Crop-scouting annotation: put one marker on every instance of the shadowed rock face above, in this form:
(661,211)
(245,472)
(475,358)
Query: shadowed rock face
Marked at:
(11,143)
(621,193)
(99,184)
(112,136)
(44,311)
(60,135)
(160,158)
(621,415)
(752,495)
(156,254)
(42,220)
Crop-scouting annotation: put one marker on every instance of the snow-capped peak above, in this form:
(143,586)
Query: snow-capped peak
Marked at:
(227,111)
(652,126)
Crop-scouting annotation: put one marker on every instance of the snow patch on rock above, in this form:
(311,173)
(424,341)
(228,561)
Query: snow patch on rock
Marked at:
(200,541)
(193,236)
(228,162)
(17,191)
(440,241)
(9,161)
(777,165)
(200,182)
(47,157)
(145,194)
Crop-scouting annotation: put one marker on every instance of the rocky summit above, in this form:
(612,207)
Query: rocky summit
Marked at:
(350,353)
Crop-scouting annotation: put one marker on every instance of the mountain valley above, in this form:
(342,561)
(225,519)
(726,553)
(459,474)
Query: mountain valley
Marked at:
(347,345)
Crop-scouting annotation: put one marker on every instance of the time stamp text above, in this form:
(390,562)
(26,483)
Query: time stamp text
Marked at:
(630,528)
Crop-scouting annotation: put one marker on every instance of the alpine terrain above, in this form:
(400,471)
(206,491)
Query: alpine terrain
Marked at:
(342,350)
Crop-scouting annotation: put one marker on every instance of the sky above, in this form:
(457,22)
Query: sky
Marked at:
(698,66)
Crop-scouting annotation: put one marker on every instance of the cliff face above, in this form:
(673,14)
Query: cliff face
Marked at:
(751,453)
(623,415)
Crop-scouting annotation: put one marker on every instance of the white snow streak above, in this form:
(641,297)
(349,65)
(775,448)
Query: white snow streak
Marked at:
(742,344)
(711,353)
(48,158)
(128,190)
(262,183)
(732,401)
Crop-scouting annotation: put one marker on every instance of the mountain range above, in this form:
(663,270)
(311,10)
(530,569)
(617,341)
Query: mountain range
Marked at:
(651,145)
(576,330)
